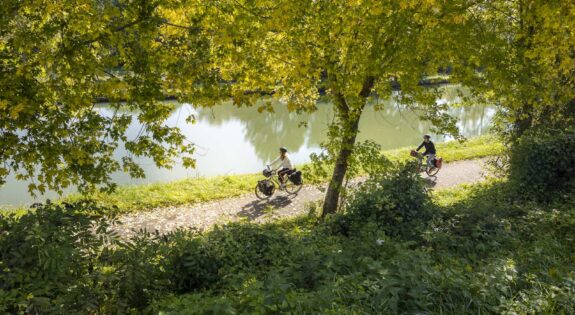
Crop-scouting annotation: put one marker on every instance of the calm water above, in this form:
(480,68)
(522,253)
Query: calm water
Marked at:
(234,140)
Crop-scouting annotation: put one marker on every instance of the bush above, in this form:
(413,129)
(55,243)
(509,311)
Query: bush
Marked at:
(480,255)
(66,259)
(191,263)
(543,163)
(397,201)
(46,263)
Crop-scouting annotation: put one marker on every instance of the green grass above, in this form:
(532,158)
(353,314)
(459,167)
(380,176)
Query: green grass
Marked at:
(197,190)
(451,151)
(451,196)
(18,212)
(187,191)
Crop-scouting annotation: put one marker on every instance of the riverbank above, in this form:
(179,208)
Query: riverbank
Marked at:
(200,190)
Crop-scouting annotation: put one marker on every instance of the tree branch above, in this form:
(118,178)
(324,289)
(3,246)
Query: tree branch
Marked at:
(367,86)
(117,29)
(190,28)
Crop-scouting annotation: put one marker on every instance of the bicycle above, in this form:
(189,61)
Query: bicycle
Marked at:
(430,171)
(265,188)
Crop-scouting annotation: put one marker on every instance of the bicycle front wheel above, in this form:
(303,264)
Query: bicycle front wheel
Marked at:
(292,188)
(261,195)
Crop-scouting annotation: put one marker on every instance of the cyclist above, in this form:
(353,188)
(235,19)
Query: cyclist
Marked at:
(429,150)
(284,166)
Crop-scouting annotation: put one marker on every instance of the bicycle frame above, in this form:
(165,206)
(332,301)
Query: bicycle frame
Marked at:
(430,170)
(274,178)
(419,158)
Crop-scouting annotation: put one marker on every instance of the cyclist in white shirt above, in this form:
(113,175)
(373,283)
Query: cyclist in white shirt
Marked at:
(284,165)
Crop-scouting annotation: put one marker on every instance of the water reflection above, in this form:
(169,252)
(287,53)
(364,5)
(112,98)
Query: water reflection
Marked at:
(235,140)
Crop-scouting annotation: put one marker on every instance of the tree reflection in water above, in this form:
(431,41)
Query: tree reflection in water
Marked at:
(241,140)
(388,124)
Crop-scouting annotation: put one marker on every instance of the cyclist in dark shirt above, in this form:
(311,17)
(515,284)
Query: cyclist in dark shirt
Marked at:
(429,149)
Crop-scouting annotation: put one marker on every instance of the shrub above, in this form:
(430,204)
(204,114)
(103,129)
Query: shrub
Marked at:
(191,263)
(396,200)
(46,263)
(543,163)
(66,259)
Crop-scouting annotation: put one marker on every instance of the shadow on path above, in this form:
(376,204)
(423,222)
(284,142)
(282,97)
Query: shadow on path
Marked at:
(430,181)
(257,208)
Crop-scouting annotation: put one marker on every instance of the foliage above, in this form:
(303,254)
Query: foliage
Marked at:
(482,255)
(543,163)
(57,58)
(481,252)
(520,57)
(397,201)
(49,259)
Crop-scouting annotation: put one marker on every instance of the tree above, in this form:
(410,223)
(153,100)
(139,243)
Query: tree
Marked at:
(522,59)
(58,57)
(353,48)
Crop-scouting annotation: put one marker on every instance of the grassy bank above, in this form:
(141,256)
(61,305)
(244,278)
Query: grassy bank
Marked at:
(196,190)
(474,148)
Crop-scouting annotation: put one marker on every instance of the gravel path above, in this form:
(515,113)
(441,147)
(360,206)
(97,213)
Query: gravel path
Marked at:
(248,207)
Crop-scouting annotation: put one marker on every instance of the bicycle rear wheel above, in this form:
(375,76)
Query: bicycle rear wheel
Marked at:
(432,171)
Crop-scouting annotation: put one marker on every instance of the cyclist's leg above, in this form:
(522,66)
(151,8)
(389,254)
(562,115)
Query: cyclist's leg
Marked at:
(430,158)
(281,174)
(419,159)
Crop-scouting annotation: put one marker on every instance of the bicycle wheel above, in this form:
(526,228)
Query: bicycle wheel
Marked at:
(418,166)
(292,188)
(261,195)
(501,163)
(432,171)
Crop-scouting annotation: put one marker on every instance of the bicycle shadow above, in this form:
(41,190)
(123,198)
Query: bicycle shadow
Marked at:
(257,208)
(430,181)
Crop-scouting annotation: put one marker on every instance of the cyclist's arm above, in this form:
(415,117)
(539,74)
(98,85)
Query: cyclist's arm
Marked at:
(274,162)
(420,146)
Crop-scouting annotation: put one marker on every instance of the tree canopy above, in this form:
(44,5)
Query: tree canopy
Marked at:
(352,49)
(58,57)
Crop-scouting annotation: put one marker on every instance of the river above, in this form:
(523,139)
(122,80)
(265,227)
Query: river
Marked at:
(233,140)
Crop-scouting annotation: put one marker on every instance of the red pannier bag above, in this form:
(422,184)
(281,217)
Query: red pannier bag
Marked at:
(438,162)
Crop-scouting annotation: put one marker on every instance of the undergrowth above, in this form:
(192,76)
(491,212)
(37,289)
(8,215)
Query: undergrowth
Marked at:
(476,249)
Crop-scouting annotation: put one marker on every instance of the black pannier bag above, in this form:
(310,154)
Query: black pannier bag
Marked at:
(295,177)
(266,187)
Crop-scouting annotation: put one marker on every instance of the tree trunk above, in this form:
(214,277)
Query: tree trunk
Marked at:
(350,119)
(330,204)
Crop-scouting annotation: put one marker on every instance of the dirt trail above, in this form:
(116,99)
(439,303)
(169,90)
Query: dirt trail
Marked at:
(248,207)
